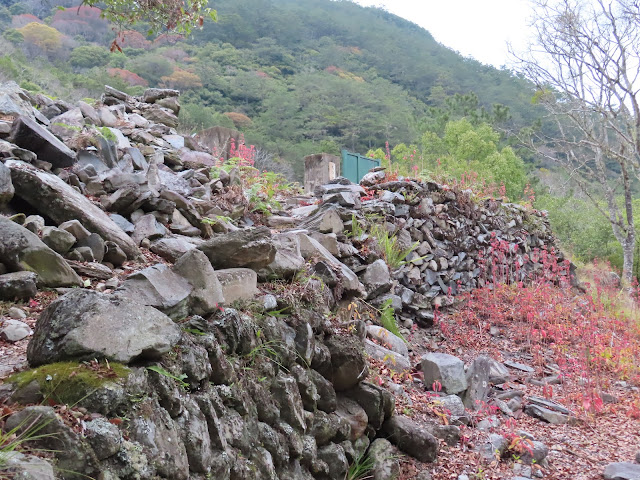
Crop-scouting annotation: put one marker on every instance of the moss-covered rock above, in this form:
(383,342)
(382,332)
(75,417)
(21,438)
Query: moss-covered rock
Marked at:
(66,382)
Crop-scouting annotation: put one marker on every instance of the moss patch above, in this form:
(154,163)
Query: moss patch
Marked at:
(70,382)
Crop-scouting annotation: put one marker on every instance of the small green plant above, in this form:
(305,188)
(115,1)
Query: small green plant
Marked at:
(479,475)
(217,219)
(226,167)
(179,379)
(388,243)
(194,331)
(357,229)
(360,469)
(68,127)
(278,313)
(107,134)
(388,319)
(265,350)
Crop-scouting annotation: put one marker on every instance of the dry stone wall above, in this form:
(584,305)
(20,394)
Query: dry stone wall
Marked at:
(181,360)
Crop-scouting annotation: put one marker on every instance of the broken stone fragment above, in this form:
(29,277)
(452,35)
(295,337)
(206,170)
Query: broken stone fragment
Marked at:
(57,239)
(26,133)
(6,186)
(18,286)
(14,330)
(238,283)
(446,370)
(22,250)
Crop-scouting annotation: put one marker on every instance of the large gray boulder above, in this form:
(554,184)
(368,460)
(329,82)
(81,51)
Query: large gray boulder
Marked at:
(159,287)
(83,325)
(348,363)
(27,133)
(57,200)
(445,369)
(251,248)
(22,250)
(412,439)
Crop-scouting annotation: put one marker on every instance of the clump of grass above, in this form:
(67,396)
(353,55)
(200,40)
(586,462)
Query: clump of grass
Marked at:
(393,254)
(360,469)
(12,440)
(357,230)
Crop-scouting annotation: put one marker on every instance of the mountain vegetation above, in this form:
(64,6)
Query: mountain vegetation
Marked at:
(308,76)
(305,76)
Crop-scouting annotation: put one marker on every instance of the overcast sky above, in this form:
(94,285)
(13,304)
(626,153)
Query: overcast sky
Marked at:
(480,29)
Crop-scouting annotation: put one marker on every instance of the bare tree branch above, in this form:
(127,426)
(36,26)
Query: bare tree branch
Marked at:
(585,62)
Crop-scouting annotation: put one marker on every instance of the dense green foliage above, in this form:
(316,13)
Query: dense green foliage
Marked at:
(583,230)
(462,151)
(309,75)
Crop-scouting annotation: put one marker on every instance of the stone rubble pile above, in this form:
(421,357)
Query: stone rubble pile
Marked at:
(113,198)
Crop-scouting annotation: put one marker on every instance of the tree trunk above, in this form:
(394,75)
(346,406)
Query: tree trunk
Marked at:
(628,250)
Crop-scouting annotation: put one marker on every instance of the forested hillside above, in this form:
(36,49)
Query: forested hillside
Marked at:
(296,77)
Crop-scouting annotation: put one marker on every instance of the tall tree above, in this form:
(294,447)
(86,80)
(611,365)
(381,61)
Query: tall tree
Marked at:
(585,61)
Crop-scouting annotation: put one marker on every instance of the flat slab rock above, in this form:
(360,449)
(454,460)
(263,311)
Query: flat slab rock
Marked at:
(549,416)
(622,471)
(250,248)
(27,133)
(392,359)
(520,366)
(83,325)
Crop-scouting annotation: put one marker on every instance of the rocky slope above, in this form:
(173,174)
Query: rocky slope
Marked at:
(182,336)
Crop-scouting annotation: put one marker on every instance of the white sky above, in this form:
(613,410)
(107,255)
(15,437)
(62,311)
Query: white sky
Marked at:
(475,28)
